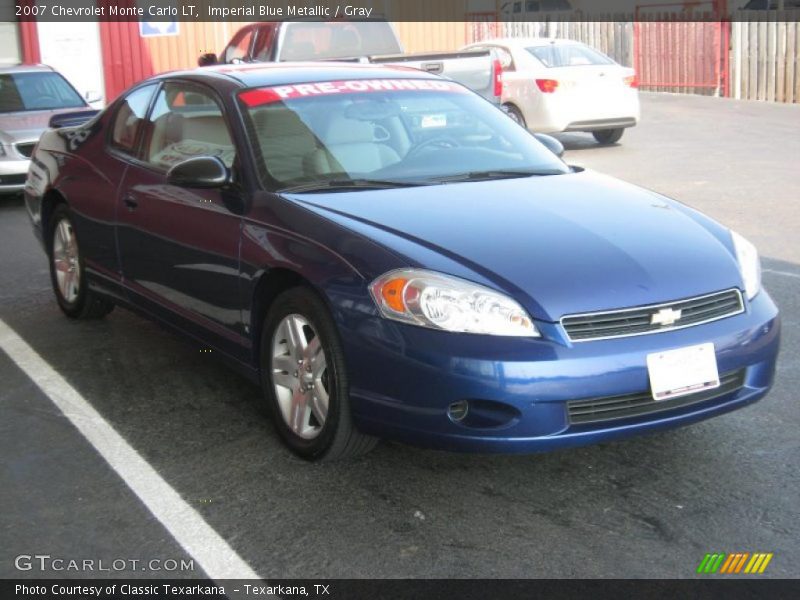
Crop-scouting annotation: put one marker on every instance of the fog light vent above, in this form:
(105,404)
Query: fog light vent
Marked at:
(458,411)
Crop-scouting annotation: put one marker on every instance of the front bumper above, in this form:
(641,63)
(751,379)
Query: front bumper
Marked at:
(13,173)
(404,378)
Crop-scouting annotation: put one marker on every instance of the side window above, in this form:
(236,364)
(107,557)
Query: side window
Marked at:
(505,58)
(186,121)
(262,48)
(129,118)
(239,48)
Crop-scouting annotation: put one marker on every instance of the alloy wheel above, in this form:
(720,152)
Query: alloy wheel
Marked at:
(66,261)
(300,376)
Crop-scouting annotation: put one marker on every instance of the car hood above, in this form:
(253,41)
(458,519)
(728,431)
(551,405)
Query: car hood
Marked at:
(28,126)
(560,245)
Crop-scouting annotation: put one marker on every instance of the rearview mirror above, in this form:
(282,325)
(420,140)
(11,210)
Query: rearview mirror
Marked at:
(550,143)
(71,119)
(207,59)
(199,172)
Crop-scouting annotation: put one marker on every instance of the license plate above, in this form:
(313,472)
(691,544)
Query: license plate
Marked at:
(683,371)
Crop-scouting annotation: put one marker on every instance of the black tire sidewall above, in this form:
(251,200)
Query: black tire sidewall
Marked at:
(71,309)
(608,136)
(517,115)
(305,302)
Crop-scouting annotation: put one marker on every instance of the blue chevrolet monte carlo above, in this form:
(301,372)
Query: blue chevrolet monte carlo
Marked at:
(390,256)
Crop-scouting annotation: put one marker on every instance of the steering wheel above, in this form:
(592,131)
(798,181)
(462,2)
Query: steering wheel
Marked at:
(440,141)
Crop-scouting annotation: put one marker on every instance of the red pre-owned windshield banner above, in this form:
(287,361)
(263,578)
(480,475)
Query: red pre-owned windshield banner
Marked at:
(267,95)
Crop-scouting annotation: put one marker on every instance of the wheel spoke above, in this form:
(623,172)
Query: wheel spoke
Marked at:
(284,363)
(285,380)
(69,276)
(299,413)
(318,365)
(313,349)
(298,344)
(319,407)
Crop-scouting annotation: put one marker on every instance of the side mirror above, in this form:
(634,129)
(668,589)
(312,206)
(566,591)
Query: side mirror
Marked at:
(71,119)
(550,143)
(92,96)
(207,59)
(199,172)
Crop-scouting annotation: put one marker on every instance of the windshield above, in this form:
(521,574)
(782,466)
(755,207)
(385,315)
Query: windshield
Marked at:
(307,40)
(568,55)
(393,130)
(36,91)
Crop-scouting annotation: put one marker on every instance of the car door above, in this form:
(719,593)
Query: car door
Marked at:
(94,180)
(179,246)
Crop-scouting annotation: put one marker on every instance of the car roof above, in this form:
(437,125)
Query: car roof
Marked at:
(20,68)
(283,73)
(527,42)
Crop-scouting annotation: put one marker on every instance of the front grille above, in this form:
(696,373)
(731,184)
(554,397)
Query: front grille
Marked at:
(26,149)
(598,410)
(13,179)
(645,319)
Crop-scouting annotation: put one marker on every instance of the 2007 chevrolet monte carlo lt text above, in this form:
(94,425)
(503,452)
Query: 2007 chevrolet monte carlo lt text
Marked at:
(391,256)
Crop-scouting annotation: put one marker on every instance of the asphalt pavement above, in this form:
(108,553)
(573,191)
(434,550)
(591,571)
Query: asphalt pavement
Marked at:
(645,507)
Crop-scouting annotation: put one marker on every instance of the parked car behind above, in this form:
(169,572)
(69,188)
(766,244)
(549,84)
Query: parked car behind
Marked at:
(30,95)
(555,85)
(389,255)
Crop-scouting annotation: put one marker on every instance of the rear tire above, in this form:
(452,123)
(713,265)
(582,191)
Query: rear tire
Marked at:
(608,136)
(68,273)
(515,115)
(304,379)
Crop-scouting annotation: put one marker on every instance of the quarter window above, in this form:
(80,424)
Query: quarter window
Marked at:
(239,49)
(186,121)
(129,118)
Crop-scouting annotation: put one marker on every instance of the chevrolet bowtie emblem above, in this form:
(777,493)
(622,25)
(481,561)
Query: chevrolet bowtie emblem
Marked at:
(665,317)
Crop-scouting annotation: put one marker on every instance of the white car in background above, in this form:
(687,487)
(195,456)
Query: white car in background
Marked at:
(556,85)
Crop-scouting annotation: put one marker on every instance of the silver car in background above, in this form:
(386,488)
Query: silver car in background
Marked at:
(30,95)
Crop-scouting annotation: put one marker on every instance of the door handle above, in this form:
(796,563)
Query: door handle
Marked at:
(130,203)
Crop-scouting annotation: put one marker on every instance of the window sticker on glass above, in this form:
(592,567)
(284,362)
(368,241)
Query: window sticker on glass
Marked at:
(267,95)
(431,121)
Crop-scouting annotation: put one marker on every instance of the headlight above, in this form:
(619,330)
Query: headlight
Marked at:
(749,264)
(442,302)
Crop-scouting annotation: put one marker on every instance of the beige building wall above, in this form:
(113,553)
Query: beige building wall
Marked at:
(445,29)
(432,36)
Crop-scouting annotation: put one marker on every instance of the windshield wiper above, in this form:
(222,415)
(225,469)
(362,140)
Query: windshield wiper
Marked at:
(345,184)
(495,174)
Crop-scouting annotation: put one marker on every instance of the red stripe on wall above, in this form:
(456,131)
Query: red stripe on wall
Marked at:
(126,58)
(29,37)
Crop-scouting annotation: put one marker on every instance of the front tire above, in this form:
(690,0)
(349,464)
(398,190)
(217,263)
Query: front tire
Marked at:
(68,273)
(304,379)
(608,136)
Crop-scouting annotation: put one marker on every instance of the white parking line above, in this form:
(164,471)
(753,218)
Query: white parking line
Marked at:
(784,273)
(184,523)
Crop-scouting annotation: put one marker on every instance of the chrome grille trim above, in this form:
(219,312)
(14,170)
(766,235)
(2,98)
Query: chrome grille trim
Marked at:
(629,322)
